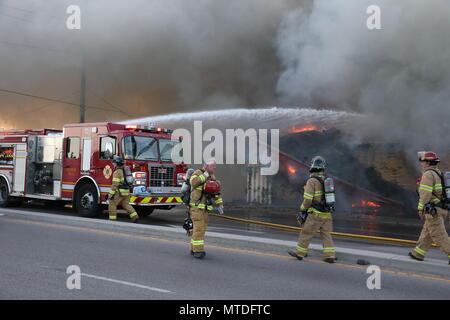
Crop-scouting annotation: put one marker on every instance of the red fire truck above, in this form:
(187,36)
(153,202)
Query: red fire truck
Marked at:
(75,166)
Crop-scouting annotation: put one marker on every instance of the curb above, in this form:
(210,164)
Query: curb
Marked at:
(347,255)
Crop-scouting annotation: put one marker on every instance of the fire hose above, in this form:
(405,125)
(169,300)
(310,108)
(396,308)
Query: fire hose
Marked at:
(338,234)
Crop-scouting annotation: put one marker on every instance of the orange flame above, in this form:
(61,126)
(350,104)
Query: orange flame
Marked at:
(309,127)
(363,203)
(291,170)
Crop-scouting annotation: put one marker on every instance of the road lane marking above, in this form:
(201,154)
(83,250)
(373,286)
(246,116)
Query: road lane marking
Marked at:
(59,226)
(125,283)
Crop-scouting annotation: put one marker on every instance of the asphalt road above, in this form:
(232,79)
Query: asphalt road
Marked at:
(35,257)
(176,216)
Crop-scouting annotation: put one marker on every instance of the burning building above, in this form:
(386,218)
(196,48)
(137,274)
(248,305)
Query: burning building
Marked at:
(370,178)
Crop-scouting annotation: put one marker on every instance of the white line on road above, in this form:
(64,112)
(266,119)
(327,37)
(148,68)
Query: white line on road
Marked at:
(125,283)
(2,214)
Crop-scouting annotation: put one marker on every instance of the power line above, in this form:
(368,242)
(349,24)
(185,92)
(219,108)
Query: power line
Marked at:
(16,8)
(24,45)
(110,104)
(115,107)
(39,108)
(53,100)
(23,19)
(14,17)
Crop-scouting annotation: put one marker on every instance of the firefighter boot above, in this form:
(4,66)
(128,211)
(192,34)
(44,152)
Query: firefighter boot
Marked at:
(330,260)
(415,257)
(134,217)
(295,255)
(199,255)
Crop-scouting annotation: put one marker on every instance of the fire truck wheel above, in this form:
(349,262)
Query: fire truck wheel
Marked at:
(87,201)
(5,200)
(144,211)
(4,191)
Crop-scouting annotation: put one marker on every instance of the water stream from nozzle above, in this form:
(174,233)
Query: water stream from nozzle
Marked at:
(275,117)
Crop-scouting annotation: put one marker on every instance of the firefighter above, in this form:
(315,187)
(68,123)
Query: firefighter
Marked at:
(205,194)
(318,215)
(431,208)
(120,192)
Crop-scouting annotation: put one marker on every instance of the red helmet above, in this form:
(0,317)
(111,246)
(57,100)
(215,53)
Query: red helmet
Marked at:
(211,187)
(428,156)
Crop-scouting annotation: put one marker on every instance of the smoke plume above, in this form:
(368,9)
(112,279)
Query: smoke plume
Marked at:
(399,76)
(142,57)
(153,57)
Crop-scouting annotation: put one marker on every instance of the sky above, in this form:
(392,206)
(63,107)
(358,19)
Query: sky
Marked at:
(153,57)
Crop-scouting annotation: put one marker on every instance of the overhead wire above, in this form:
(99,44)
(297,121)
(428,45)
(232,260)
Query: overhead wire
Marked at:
(53,99)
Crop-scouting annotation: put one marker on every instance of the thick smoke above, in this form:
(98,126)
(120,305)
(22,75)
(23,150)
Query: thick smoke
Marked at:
(152,57)
(399,74)
(145,57)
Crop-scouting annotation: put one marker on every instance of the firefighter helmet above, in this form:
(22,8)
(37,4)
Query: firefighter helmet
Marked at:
(428,156)
(211,187)
(318,163)
(118,160)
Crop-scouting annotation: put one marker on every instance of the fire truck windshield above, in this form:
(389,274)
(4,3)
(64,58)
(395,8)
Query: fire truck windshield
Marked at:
(140,148)
(166,146)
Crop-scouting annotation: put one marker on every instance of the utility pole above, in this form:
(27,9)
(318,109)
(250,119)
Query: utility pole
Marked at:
(83,92)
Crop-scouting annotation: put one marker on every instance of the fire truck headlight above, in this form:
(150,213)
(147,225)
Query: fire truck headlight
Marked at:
(140,178)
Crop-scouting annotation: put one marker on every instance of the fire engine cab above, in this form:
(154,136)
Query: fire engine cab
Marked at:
(75,166)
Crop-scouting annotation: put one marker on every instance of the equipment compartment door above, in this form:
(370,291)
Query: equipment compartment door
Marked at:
(20,163)
(86,160)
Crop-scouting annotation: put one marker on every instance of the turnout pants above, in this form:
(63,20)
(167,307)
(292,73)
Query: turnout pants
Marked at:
(313,223)
(433,230)
(125,203)
(200,220)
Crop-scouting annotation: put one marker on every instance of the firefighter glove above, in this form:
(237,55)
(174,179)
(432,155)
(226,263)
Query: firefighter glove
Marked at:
(301,216)
(220,209)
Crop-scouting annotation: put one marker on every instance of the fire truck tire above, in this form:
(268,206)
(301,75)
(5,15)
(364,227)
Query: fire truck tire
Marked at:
(86,201)
(144,211)
(5,200)
(4,191)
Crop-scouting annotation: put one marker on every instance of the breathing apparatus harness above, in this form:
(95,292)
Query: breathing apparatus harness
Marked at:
(210,189)
(188,225)
(328,199)
(430,208)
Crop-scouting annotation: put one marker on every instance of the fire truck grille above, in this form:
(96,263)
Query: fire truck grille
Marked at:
(161,176)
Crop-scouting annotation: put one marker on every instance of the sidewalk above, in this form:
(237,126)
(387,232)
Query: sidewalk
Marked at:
(386,256)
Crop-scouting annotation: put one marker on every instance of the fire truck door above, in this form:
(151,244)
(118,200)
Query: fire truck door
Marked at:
(87,155)
(20,162)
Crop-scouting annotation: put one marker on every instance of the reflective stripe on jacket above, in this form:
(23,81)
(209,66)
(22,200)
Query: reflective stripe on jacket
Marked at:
(430,188)
(198,198)
(118,183)
(313,192)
